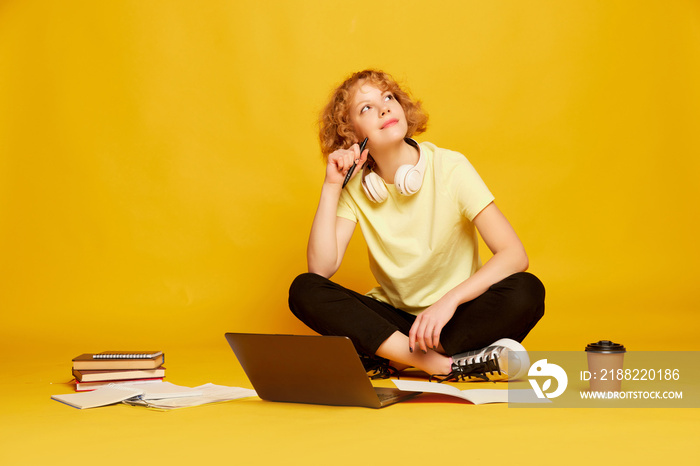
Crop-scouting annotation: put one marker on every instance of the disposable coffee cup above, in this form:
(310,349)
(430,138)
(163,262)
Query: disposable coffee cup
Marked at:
(605,360)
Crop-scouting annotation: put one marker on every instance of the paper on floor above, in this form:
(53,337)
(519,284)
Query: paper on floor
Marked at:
(475,395)
(103,396)
(210,393)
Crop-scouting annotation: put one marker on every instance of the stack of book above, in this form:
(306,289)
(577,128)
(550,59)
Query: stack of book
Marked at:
(94,370)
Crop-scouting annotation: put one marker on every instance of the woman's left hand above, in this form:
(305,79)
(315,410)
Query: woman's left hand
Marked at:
(425,332)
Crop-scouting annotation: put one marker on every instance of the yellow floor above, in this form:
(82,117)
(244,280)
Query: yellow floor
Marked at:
(37,430)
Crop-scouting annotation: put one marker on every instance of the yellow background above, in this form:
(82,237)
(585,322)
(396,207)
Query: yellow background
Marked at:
(160,168)
(159,172)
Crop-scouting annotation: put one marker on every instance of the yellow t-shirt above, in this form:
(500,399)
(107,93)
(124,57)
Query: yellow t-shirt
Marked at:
(421,246)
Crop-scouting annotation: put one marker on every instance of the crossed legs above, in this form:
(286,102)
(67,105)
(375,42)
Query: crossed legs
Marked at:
(508,309)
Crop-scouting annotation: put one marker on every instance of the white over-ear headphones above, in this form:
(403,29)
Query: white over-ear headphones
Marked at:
(408,179)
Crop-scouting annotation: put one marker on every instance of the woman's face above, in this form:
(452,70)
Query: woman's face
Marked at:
(377,115)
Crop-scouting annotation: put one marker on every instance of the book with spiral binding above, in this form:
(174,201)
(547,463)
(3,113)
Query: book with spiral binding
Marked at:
(127,354)
(87,361)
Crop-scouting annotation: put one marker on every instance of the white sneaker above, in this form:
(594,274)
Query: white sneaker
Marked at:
(502,360)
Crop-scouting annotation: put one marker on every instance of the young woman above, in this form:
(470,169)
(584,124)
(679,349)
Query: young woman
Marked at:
(436,307)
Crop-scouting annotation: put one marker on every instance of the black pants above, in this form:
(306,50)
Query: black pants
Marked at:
(508,309)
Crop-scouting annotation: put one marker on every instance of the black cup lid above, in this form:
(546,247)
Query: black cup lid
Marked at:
(605,346)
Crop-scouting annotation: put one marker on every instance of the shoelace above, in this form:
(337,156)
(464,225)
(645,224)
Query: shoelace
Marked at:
(384,371)
(476,369)
(379,368)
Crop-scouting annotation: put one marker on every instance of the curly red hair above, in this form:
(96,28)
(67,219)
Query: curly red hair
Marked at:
(335,129)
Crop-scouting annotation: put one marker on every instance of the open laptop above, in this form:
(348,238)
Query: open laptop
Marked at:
(309,369)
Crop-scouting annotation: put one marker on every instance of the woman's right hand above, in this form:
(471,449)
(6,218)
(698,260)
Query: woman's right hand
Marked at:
(330,234)
(340,161)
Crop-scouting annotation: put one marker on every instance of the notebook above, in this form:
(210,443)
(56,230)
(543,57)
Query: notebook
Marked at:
(309,369)
(127,355)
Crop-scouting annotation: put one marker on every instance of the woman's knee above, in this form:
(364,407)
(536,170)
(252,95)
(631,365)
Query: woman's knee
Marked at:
(303,290)
(528,293)
(302,283)
(532,285)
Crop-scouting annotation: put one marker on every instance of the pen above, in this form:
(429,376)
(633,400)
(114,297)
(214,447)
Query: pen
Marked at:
(354,164)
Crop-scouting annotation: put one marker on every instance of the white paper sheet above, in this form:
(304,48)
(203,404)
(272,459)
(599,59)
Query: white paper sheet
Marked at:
(162,390)
(103,396)
(209,393)
(475,395)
